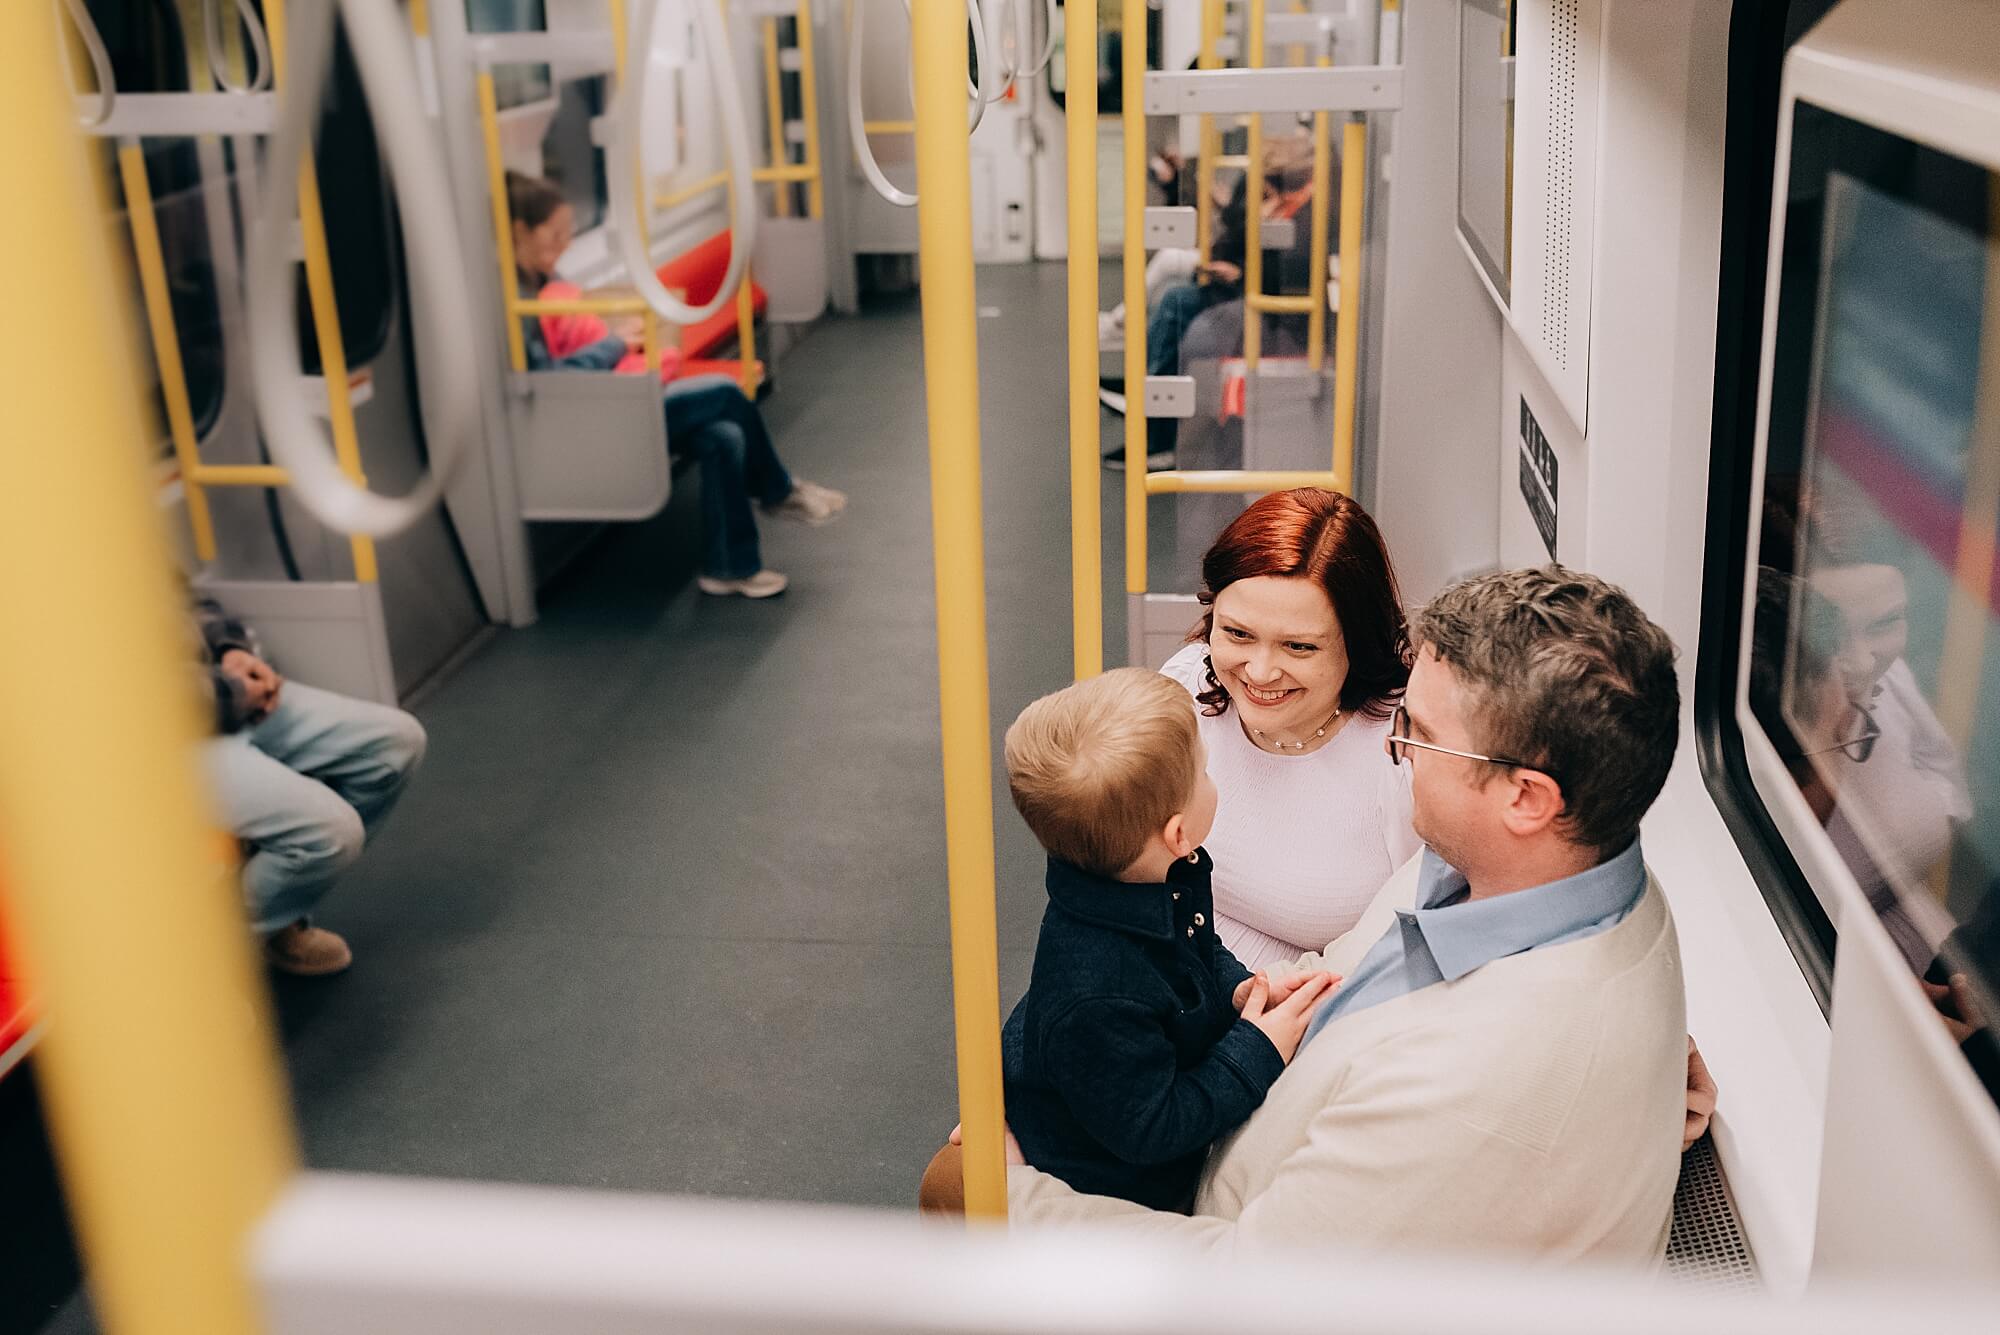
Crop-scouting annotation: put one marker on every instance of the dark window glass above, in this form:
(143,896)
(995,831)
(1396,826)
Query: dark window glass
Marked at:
(513,85)
(360,222)
(1875,667)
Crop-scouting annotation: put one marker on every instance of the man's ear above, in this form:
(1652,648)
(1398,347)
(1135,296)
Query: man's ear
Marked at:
(1174,835)
(1537,803)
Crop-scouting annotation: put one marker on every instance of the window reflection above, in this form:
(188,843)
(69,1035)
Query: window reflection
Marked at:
(1874,659)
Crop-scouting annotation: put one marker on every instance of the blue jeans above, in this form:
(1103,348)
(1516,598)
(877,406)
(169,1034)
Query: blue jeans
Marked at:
(710,419)
(1165,327)
(304,789)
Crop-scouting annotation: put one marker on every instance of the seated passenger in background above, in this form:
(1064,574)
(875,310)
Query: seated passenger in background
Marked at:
(301,777)
(709,417)
(1505,1067)
(1140,1039)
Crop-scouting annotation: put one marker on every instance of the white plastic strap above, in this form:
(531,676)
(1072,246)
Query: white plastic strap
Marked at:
(624,170)
(297,444)
(260,46)
(100,62)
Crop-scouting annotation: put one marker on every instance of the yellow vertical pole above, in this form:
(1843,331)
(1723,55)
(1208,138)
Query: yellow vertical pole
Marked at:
(774,113)
(159,1071)
(649,320)
(325,313)
(1085,502)
(1253,209)
(809,109)
(1211,137)
(746,329)
(503,221)
(1132,117)
(951,398)
(1347,329)
(166,341)
(1322,206)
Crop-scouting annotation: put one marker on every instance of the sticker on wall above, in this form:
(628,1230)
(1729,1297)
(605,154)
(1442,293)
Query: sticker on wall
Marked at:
(1538,478)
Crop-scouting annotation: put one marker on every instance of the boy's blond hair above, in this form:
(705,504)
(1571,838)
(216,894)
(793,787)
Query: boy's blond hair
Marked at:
(1098,768)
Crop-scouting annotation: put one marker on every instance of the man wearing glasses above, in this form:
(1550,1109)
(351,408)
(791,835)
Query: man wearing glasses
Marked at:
(1506,1066)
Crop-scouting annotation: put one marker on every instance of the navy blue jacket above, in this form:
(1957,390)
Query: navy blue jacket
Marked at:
(1126,1058)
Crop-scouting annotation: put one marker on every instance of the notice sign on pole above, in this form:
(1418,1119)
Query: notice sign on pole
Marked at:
(1538,478)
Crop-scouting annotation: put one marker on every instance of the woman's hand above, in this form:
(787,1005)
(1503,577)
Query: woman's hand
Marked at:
(1220,271)
(1014,1155)
(1701,1094)
(631,328)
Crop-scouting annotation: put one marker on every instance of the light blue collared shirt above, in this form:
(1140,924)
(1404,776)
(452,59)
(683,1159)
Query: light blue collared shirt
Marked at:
(1447,936)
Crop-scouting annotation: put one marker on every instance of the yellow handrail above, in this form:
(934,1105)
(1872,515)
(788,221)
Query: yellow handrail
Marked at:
(774,114)
(166,340)
(1132,119)
(325,312)
(1316,281)
(951,397)
(809,106)
(1347,329)
(1211,137)
(1253,199)
(1246,481)
(793,171)
(235,475)
(140,954)
(1085,502)
(889,127)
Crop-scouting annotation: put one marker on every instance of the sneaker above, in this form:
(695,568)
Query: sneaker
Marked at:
(763,584)
(1111,327)
(1112,399)
(809,503)
(1157,462)
(306,950)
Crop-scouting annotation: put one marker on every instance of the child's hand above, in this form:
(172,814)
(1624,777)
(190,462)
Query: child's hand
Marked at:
(1013,1146)
(1284,1023)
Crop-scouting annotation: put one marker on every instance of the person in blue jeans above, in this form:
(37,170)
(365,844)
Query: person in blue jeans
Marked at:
(301,778)
(709,418)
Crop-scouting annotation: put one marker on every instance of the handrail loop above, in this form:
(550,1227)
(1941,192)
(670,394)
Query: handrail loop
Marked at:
(389,79)
(977,95)
(100,63)
(260,46)
(622,155)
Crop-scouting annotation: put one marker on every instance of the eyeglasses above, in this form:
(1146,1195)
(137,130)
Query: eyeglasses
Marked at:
(1856,749)
(1399,736)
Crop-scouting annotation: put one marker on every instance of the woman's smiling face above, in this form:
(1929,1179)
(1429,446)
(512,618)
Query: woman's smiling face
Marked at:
(1278,651)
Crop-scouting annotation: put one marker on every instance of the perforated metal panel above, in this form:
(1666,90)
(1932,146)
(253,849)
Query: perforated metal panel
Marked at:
(1706,1248)
(1559,184)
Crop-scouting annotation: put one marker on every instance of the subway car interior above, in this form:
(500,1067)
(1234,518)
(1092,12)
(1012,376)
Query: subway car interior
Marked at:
(658,447)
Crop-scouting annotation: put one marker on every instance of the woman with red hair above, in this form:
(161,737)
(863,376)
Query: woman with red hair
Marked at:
(1297,664)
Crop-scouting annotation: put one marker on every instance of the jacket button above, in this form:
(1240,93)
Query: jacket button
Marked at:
(1177,896)
(1190,931)
(1199,920)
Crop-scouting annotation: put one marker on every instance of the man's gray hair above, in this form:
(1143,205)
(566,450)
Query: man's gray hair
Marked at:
(1565,674)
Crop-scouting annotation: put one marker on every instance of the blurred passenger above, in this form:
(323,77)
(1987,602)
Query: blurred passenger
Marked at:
(1141,1039)
(709,418)
(1503,1068)
(1203,319)
(301,777)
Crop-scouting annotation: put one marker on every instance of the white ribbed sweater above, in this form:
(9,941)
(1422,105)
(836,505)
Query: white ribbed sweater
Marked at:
(1301,843)
(1533,1106)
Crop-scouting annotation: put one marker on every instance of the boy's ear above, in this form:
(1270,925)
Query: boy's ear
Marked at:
(1174,835)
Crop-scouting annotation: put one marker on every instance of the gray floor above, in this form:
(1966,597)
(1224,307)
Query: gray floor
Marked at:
(665,910)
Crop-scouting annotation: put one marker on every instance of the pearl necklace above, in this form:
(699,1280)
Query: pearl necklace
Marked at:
(1318,733)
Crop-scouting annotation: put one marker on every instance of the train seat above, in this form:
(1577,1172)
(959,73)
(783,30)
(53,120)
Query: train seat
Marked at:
(698,271)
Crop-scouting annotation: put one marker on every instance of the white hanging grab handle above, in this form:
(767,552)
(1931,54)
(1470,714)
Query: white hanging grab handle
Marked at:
(623,169)
(1048,46)
(977,95)
(100,62)
(260,46)
(424,204)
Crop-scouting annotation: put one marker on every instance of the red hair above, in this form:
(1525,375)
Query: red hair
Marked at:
(1311,533)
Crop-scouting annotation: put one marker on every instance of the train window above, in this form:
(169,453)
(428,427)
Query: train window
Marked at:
(360,229)
(513,85)
(1875,657)
(570,158)
(1486,135)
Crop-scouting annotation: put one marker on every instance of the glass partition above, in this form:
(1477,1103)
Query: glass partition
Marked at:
(1486,135)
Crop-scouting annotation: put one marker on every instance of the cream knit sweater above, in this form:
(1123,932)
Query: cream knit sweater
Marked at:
(1533,1106)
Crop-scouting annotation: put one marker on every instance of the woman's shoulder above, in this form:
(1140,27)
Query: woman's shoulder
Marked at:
(1189,667)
